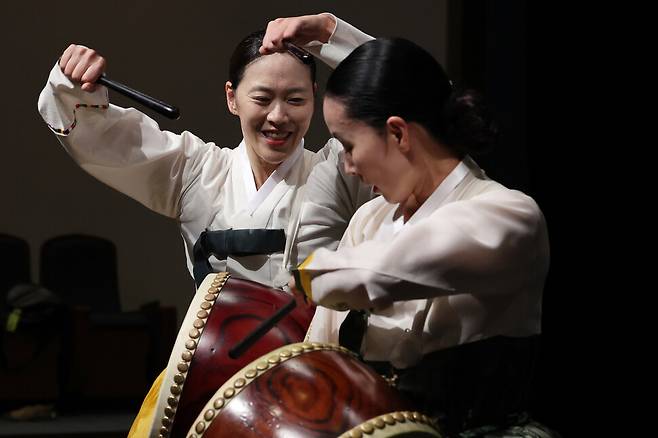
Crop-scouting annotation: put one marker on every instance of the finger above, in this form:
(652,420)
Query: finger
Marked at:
(94,71)
(66,56)
(80,68)
(89,87)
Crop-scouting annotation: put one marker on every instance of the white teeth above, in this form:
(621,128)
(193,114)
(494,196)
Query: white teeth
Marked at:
(275,135)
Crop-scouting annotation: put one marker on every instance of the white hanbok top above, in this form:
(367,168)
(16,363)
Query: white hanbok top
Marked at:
(183,177)
(468,265)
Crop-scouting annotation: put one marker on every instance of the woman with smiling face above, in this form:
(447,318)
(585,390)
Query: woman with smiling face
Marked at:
(257,187)
(443,274)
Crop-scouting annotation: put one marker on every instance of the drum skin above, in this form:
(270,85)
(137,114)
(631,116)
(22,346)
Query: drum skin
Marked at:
(301,390)
(234,308)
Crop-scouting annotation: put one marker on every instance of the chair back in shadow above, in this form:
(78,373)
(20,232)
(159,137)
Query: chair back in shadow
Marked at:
(83,270)
(28,362)
(14,263)
(112,355)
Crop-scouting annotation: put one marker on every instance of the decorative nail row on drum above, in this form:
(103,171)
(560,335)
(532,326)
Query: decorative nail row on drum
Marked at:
(309,390)
(223,311)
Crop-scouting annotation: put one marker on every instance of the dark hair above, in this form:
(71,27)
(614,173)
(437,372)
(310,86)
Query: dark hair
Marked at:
(395,77)
(247,51)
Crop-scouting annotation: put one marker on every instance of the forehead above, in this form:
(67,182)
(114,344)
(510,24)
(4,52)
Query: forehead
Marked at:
(335,114)
(278,70)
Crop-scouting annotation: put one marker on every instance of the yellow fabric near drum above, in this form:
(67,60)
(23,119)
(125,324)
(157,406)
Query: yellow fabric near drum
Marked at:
(141,426)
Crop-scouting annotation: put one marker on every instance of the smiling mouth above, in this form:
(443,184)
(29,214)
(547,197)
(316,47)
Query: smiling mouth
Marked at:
(276,137)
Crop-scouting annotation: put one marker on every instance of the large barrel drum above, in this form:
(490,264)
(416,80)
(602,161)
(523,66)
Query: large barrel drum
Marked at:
(223,311)
(309,390)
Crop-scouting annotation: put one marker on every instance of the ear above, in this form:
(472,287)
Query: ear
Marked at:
(315,88)
(230,98)
(397,130)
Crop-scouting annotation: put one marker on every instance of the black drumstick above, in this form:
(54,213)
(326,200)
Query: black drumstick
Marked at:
(260,331)
(156,105)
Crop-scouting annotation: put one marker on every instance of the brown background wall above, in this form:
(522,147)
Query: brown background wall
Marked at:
(176,51)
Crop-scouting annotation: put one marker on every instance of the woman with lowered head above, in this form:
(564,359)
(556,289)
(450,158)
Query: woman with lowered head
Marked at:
(443,274)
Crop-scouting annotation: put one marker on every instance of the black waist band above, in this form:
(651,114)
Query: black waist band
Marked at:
(224,243)
(480,383)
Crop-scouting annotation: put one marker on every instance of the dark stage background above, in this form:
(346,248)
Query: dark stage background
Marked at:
(179,52)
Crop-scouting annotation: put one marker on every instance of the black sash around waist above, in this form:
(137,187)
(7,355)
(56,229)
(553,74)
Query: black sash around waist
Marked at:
(480,383)
(224,243)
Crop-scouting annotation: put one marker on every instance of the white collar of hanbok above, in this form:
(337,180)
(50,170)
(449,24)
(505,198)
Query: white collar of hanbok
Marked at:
(256,197)
(438,196)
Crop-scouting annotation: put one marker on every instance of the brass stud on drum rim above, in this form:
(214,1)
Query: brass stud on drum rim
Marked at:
(378,423)
(175,389)
(367,428)
(200,427)
(179,378)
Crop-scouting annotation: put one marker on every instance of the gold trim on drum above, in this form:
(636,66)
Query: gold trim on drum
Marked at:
(394,424)
(248,374)
(195,331)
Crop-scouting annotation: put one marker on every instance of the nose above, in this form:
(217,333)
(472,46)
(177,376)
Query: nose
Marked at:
(278,114)
(348,164)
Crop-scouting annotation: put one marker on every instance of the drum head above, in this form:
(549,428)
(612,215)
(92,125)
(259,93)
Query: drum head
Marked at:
(221,313)
(308,390)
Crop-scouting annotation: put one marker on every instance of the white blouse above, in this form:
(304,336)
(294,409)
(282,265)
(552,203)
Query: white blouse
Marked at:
(201,185)
(468,265)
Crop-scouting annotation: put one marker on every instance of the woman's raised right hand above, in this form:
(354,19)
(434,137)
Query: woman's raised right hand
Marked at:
(83,65)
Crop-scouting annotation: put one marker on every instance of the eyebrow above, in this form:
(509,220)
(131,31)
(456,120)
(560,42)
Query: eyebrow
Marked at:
(345,143)
(270,90)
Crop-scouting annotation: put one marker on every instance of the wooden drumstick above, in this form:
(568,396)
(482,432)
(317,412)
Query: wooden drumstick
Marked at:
(260,331)
(156,105)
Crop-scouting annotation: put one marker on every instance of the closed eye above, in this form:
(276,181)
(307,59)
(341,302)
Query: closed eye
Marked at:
(261,100)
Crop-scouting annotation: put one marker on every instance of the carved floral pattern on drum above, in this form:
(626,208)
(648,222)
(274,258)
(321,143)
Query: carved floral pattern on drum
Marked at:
(310,390)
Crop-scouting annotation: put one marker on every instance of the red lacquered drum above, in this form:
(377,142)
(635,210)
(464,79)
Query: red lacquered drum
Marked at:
(222,313)
(308,390)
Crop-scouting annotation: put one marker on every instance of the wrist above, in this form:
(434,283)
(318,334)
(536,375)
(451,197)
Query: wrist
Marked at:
(328,26)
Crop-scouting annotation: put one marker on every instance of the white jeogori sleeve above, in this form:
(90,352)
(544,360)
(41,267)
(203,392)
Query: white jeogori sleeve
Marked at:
(330,199)
(343,40)
(495,243)
(121,147)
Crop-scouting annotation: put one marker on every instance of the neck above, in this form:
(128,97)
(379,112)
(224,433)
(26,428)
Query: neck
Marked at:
(433,162)
(260,168)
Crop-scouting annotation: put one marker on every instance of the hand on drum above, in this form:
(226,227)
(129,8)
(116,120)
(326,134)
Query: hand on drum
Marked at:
(82,65)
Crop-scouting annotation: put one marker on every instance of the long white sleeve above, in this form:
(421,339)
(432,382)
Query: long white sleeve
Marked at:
(494,243)
(330,200)
(124,148)
(342,42)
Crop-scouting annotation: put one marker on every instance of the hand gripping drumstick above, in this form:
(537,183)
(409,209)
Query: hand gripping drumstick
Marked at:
(156,105)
